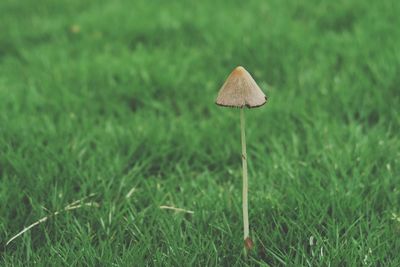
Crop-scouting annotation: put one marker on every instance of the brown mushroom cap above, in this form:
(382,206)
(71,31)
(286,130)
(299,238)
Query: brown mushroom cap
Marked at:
(240,90)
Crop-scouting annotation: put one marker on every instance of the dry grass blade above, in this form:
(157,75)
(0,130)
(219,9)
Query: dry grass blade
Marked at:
(176,209)
(72,206)
(80,200)
(133,189)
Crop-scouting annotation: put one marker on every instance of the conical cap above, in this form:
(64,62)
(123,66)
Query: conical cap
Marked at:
(240,90)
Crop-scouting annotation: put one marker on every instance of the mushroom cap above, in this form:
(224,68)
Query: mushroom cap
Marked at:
(240,90)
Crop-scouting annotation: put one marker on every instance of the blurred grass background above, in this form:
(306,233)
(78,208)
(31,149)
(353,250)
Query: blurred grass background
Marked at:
(116,98)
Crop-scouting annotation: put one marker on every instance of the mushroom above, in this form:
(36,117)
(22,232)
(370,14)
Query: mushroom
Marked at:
(239,91)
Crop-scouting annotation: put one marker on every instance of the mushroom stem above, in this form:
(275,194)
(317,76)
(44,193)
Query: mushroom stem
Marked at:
(245,178)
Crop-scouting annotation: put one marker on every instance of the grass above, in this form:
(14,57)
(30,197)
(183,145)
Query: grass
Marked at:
(100,97)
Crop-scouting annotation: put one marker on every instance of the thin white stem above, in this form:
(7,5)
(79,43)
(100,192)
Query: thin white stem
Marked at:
(245,178)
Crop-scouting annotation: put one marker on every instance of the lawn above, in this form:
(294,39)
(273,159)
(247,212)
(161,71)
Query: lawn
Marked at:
(112,103)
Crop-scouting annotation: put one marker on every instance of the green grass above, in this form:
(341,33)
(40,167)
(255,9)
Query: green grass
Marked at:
(105,96)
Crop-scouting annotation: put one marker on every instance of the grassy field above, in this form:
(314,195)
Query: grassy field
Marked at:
(115,100)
